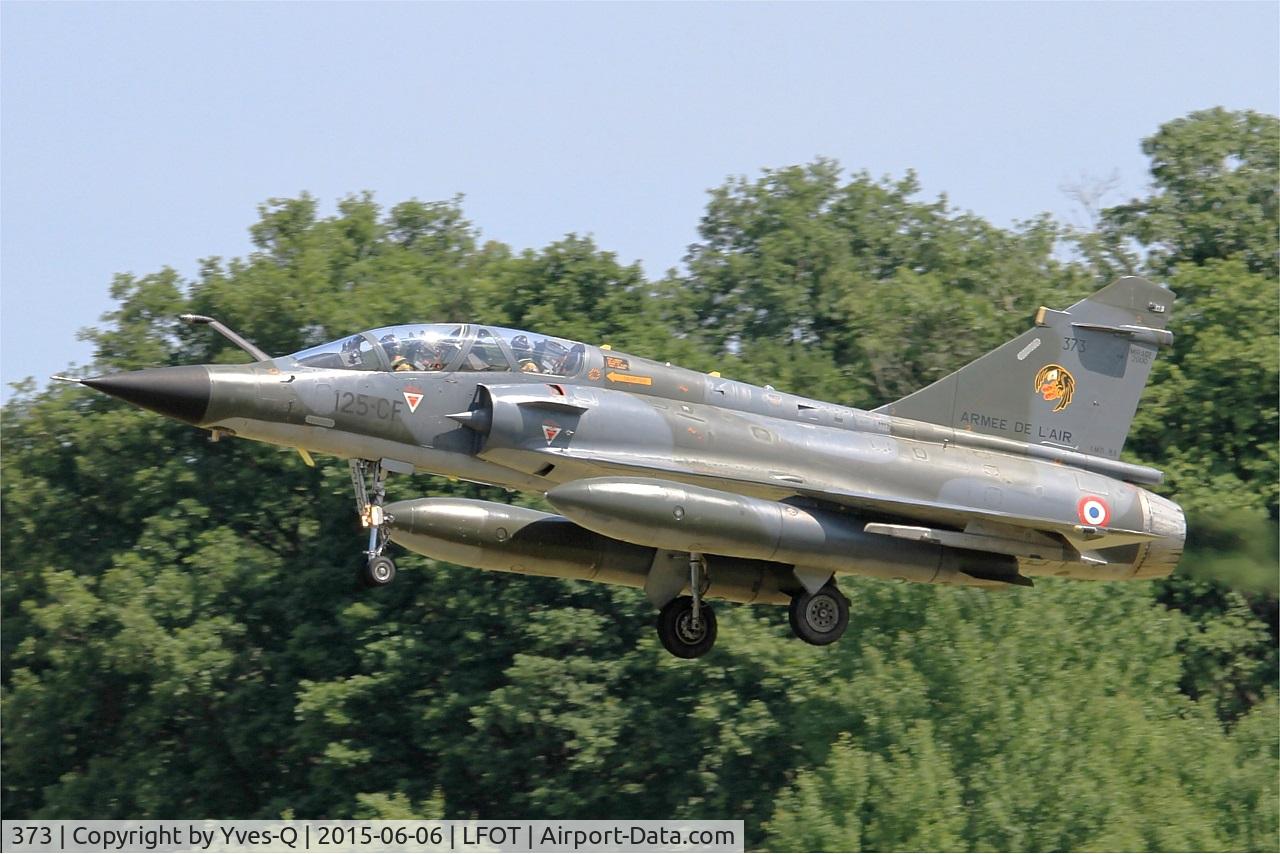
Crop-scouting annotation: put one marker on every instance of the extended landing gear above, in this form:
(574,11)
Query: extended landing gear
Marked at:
(379,569)
(819,618)
(687,625)
(678,631)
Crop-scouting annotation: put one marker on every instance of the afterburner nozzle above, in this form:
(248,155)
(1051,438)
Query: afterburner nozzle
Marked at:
(181,392)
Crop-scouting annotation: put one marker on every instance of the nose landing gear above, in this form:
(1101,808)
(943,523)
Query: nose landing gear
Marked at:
(378,570)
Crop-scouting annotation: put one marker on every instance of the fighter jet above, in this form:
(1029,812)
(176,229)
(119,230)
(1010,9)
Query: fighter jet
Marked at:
(692,486)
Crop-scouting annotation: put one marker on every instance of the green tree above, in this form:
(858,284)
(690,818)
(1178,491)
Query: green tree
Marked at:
(1214,175)
(1210,415)
(857,291)
(182,633)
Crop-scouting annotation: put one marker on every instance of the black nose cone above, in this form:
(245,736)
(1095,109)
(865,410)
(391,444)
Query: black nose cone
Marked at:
(182,392)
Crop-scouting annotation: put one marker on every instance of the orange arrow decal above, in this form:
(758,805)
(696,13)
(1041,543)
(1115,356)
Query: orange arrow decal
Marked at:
(628,378)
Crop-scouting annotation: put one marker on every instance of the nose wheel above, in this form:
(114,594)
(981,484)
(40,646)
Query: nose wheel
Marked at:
(379,570)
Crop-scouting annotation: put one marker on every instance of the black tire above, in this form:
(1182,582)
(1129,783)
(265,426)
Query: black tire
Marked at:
(675,631)
(378,572)
(819,618)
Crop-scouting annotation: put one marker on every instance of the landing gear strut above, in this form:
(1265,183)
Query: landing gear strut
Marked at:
(686,624)
(819,618)
(378,569)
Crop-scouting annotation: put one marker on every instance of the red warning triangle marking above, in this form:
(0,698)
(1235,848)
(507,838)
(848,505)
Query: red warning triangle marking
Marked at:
(550,431)
(413,399)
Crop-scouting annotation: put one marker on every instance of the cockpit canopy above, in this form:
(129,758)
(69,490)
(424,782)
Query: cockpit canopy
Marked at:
(446,347)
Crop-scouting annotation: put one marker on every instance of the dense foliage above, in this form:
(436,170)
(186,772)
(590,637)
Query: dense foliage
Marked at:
(182,635)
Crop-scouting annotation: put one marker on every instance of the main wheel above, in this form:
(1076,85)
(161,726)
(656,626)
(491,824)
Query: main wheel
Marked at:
(378,572)
(676,631)
(819,618)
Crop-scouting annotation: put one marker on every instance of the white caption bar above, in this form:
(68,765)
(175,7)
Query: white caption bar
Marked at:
(268,837)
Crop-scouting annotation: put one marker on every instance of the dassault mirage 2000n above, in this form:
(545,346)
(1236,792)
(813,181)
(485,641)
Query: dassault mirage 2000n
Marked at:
(692,486)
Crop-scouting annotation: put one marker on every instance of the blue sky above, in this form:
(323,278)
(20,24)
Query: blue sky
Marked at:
(134,136)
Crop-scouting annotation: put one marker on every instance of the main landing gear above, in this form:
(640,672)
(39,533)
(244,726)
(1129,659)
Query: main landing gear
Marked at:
(379,570)
(686,624)
(819,618)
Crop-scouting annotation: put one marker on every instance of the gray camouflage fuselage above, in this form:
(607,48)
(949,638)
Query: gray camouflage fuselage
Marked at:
(1005,470)
(688,427)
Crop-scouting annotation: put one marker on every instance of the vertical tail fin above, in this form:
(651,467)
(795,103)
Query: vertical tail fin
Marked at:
(1073,380)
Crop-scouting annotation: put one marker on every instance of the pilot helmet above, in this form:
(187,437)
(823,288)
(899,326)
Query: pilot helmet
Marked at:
(435,353)
(431,354)
(555,354)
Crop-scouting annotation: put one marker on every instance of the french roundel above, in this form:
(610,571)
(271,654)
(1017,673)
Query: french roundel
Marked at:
(1092,510)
